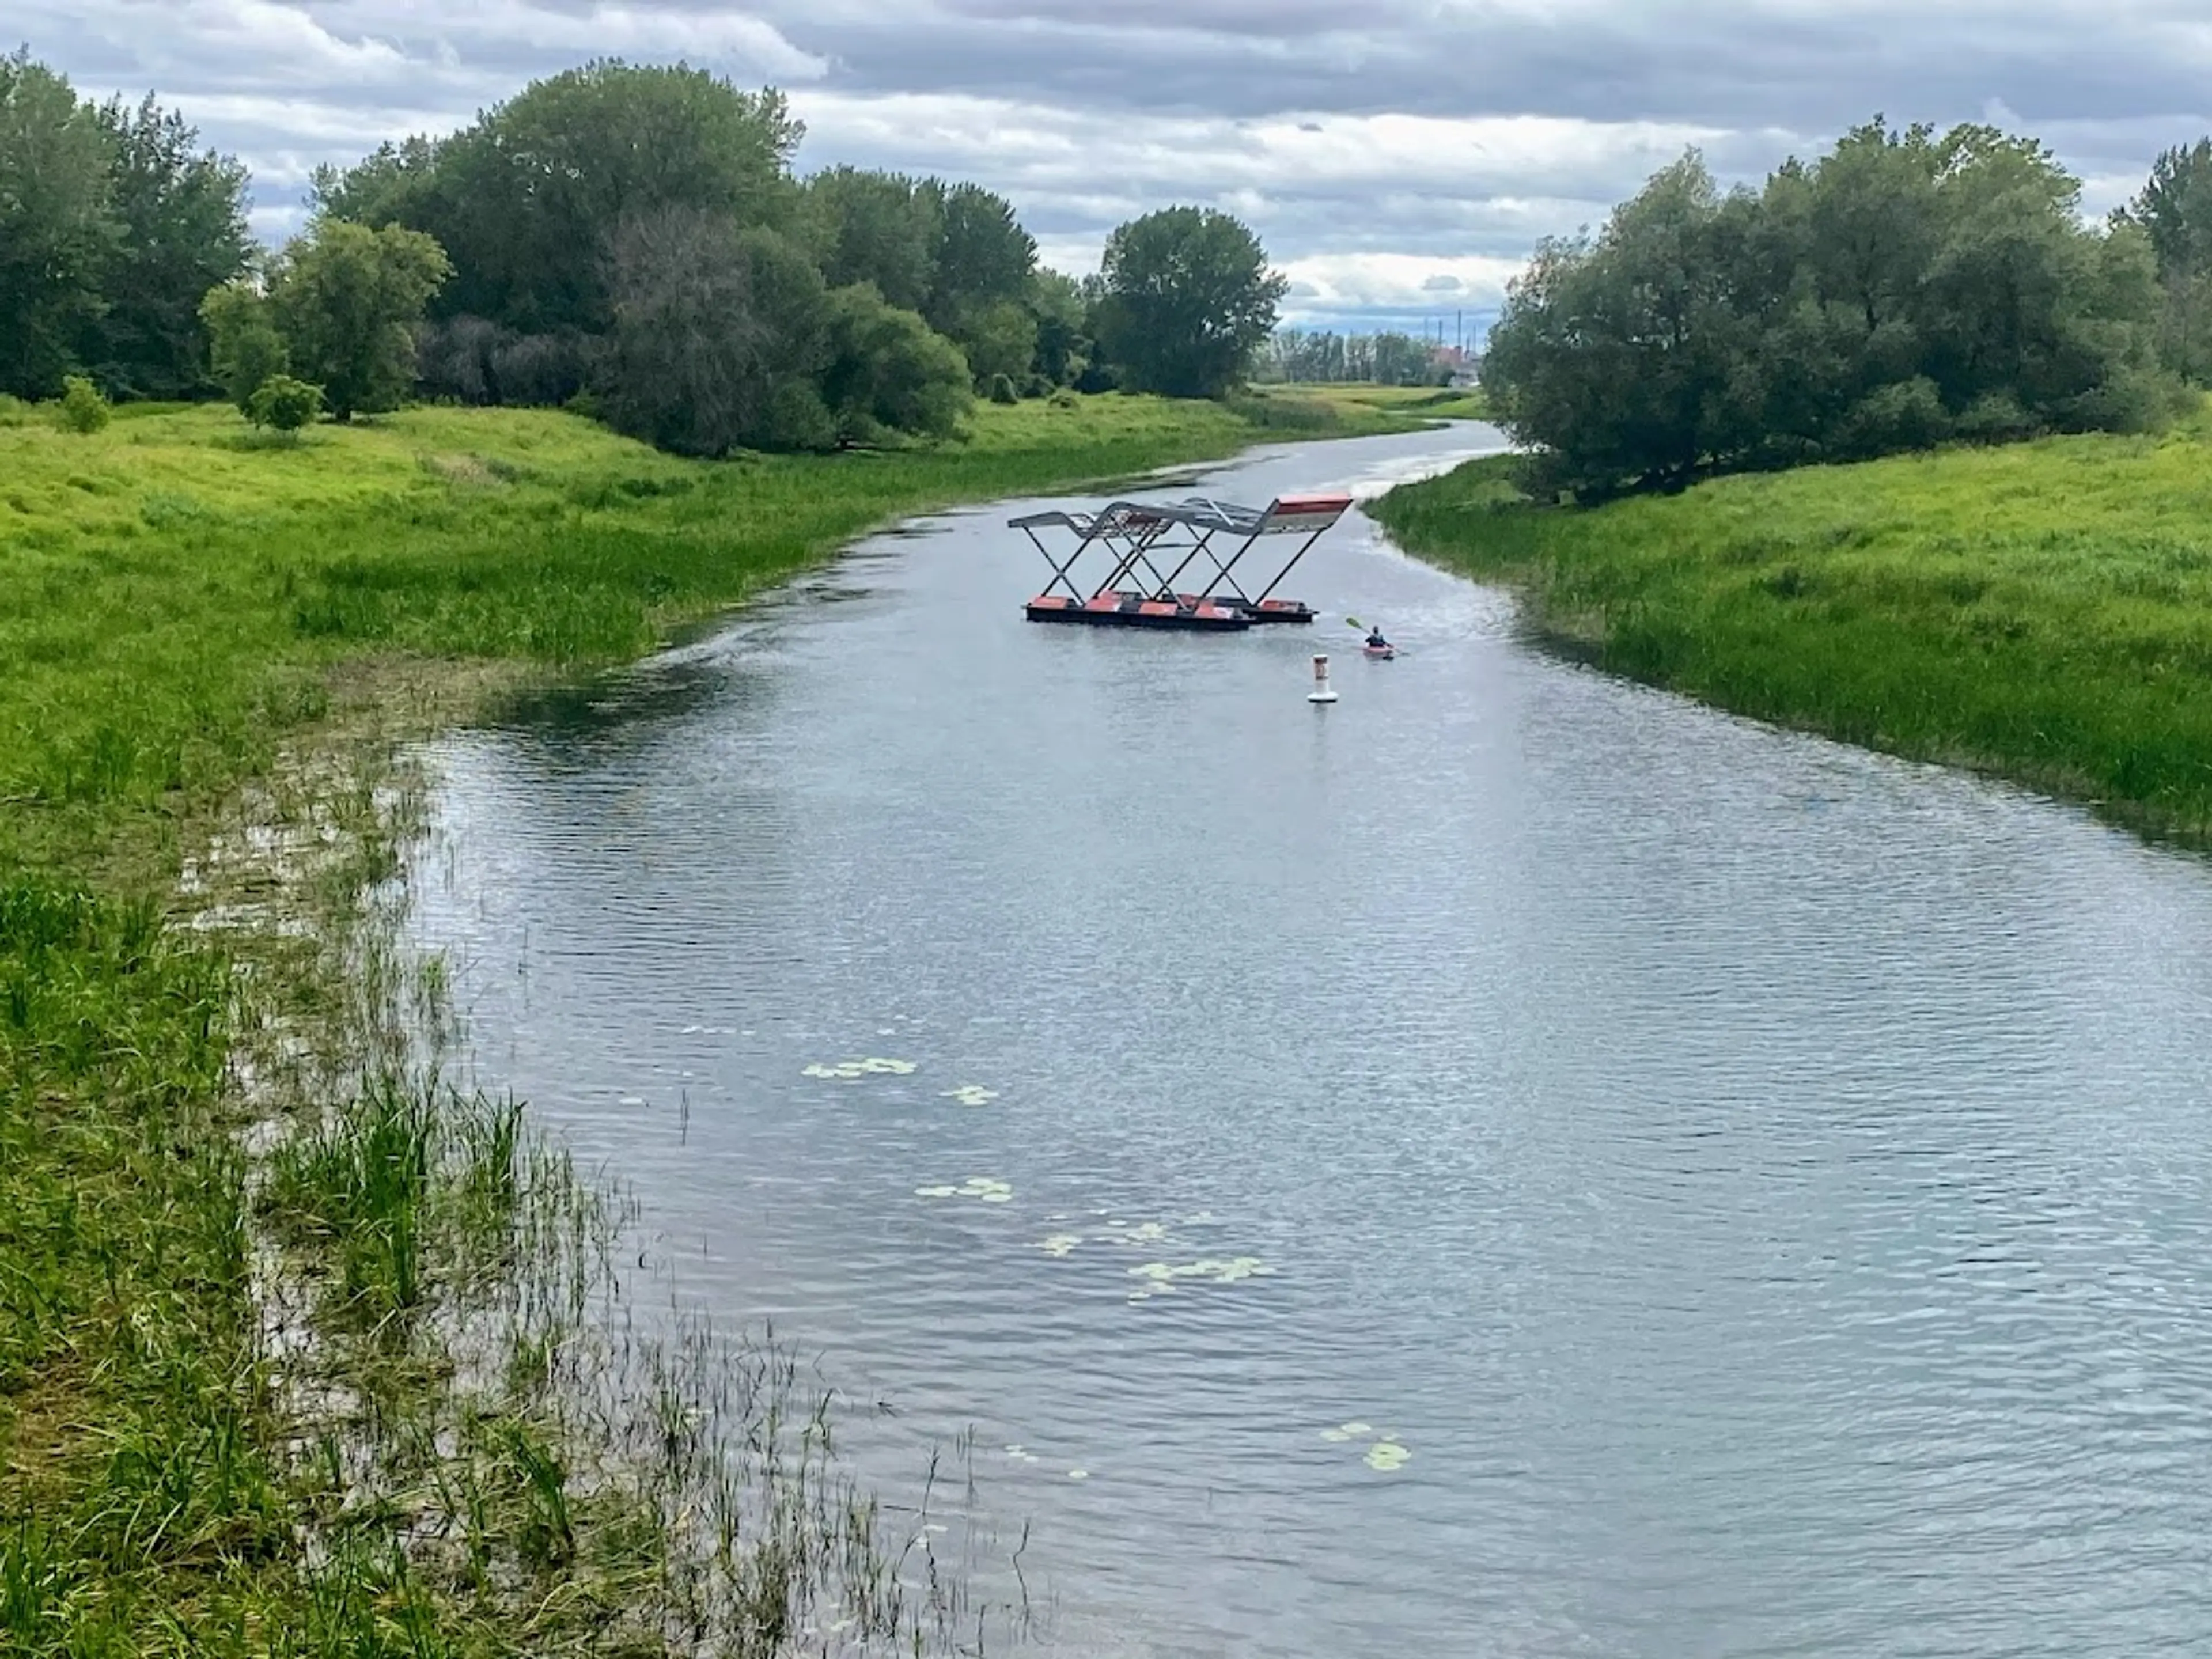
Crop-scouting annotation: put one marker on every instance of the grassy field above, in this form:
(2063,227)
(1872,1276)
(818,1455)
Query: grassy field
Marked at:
(191,617)
(2042,610)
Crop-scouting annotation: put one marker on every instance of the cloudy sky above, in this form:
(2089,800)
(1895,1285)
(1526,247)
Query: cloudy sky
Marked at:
(1399,157)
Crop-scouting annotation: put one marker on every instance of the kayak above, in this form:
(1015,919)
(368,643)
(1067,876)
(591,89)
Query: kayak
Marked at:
(1379,653)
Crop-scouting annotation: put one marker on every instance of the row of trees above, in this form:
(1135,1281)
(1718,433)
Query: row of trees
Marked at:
(112,224)
(637,232)
(1906,288)
(1385,359)
(2174,210)
(633,236)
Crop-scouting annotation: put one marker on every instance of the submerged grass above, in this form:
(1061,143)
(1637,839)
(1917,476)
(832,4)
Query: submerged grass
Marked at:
(303,1352)
(2041,611)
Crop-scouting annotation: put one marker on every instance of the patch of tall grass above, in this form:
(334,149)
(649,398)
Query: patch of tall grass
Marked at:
(2041,610)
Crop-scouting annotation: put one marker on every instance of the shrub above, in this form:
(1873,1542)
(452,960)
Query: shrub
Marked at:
(1002,390)
(1066,397)
(799,419)
(1904,415)
(284,404)
(82,408)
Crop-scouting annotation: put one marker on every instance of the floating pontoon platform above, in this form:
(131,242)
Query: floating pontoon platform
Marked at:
(1138,537)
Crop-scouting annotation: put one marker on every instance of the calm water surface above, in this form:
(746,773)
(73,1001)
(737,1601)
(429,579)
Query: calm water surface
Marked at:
(1766,1190)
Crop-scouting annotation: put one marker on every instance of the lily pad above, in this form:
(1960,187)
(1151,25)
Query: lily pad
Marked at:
(988,1189)
(1214,1270)
(1060,1245)
(1388,1456)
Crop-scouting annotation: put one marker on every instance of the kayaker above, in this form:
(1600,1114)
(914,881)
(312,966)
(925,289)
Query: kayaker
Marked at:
(1376,642)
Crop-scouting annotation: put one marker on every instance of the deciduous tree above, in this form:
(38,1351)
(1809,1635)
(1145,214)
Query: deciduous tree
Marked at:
(59,229)
(346,299)
(1187,298)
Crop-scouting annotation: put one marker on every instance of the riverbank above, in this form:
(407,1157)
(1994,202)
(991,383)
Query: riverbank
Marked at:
(2040,611)
(272,1300)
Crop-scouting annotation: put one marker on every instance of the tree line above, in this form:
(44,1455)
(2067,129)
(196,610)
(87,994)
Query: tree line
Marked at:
(1388,358)
(631,240)
(1904,288)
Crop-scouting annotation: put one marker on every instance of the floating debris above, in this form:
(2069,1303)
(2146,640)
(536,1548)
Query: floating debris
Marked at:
(970,1094)
(1021,1455)
(1060,1245)
(1348,1431)
(1078,1474)
(631,1100)
(989,1189)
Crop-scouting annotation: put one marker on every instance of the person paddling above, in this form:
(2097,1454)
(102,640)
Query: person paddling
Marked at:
(1375,640)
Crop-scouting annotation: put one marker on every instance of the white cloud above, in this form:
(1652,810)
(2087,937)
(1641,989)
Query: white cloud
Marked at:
(1377,147)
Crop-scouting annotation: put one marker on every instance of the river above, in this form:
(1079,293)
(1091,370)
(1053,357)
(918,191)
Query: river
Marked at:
(1762,1190)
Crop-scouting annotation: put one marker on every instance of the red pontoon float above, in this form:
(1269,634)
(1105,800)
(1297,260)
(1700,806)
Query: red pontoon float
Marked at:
(1138,537)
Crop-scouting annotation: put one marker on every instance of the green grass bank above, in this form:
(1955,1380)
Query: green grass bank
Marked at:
(2041,611)
(210,1108)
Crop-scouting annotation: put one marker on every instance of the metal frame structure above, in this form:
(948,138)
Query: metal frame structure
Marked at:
(1132,534)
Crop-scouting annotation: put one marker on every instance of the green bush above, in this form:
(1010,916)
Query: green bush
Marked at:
(799,419)
(82,408)
(284,403)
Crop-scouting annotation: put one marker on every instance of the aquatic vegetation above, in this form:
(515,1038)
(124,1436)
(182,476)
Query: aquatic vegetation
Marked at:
(1161,1277)
(988,1189)
(1078,1474)
(1060,1245)
(970,1094)
(1386,1454)
(848,1070)
(1021,1455)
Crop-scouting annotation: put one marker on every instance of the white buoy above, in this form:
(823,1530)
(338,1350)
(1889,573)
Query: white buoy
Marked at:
(1322,691)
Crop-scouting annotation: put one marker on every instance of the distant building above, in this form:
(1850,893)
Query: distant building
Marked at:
(1462,369)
